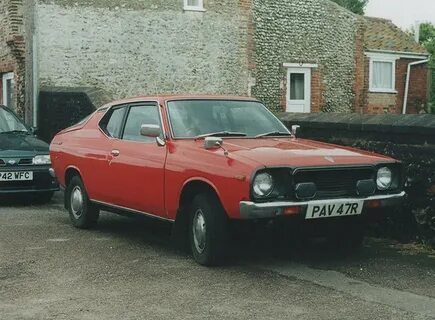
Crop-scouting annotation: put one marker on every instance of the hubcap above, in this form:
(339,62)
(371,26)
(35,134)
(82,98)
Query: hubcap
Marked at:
(77,202)
(199,231)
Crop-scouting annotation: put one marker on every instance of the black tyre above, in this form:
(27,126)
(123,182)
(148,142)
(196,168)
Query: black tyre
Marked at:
(208,230)
(43,198)
(82,212)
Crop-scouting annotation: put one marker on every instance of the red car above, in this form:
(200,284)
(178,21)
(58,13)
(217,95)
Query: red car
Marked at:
(204,162)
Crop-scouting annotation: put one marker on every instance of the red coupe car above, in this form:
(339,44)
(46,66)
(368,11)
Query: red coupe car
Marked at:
(204,161)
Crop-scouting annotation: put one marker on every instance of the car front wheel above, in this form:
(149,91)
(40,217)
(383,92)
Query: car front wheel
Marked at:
(83,213)
(208,230)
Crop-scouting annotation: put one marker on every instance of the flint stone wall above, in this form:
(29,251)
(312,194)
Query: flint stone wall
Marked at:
(309,31)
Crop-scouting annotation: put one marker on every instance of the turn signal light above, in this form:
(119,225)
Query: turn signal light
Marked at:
(292,211)
(373,204)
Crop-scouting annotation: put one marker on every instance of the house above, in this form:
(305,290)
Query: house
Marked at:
(393,72)
(61,58)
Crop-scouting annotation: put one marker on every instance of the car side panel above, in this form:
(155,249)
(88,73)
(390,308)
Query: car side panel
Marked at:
(188,161)
(86,149)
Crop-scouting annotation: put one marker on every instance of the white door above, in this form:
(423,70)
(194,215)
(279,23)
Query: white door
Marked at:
(299,90)
(8,89)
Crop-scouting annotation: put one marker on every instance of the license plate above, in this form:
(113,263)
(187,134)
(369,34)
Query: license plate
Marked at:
(334,209)
(16,176)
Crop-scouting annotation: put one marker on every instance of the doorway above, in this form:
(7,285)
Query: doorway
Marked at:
(8,90)
(299,90)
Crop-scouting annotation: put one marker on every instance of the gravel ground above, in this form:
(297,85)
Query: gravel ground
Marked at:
(129,269)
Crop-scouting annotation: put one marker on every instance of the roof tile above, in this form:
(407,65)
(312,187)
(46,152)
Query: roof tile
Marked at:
(382,34)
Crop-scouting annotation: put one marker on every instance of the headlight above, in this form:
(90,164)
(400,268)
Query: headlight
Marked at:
(262,185)
(384,179)
(39,160)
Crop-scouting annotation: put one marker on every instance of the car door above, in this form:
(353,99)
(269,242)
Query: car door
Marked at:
(96,171)
(138,162)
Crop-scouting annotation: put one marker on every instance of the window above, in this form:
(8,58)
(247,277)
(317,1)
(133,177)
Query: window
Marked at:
(298,89)
(297,86)
(9,122)
(383,74)
(191,118)
(194,5)
(8,90)
(112,122)
(138,116)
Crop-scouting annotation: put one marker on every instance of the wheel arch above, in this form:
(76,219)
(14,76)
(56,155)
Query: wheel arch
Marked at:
(70,172)
(190,189)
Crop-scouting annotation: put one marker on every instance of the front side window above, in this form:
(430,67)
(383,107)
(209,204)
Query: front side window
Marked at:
(10,123)
(382,75)
(194,5)
(193,118)
(137,116)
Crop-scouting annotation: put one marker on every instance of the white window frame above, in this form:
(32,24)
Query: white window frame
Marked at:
(199,7)
(382,58)
(5,78)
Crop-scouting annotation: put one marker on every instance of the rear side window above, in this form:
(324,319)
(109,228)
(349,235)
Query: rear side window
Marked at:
(137,116)
(111,124)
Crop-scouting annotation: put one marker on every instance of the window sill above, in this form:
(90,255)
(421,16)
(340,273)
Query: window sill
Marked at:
(197,9)
(392,91)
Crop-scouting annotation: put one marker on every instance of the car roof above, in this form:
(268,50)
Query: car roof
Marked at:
(169,97)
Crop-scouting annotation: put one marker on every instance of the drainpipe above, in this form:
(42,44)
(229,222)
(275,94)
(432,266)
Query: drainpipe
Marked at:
(408,76)
(35,82)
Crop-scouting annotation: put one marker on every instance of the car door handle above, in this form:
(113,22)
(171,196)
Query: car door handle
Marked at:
(115,153)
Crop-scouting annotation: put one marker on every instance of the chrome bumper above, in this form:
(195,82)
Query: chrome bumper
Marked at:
(252,210)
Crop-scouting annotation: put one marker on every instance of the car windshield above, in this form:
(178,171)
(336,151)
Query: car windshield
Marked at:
(201,118)
(10,123)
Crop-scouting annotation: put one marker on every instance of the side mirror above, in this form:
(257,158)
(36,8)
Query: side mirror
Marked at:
(295,129)
(213,143)
(34,130)
(150,130)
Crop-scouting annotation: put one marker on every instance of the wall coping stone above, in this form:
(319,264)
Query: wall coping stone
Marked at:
(415,124)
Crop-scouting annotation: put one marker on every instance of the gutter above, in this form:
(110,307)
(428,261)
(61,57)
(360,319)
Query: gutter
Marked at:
(404,54)
(408,76)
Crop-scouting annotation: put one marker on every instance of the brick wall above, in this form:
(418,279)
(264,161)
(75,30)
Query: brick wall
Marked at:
(360,84)
(317,90)
(381,103)
(393,102)
(12,48)
(418,88)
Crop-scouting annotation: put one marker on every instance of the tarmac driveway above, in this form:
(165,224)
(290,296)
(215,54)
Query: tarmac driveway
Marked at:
(128,269)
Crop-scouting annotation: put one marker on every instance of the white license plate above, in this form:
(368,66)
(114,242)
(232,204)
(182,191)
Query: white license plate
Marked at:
(334,209)
(16,176)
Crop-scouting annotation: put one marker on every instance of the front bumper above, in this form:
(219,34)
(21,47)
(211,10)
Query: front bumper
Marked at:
(252,210)
(43,180)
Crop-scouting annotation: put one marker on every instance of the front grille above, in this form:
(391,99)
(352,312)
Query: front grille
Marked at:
(333,183)
(24,162)
(2,162)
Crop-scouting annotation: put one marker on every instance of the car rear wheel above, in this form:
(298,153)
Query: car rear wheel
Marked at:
(83,213)
(208,230)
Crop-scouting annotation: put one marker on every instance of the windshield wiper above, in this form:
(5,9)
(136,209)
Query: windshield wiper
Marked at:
(273,134)
(221,134)
(15,131)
